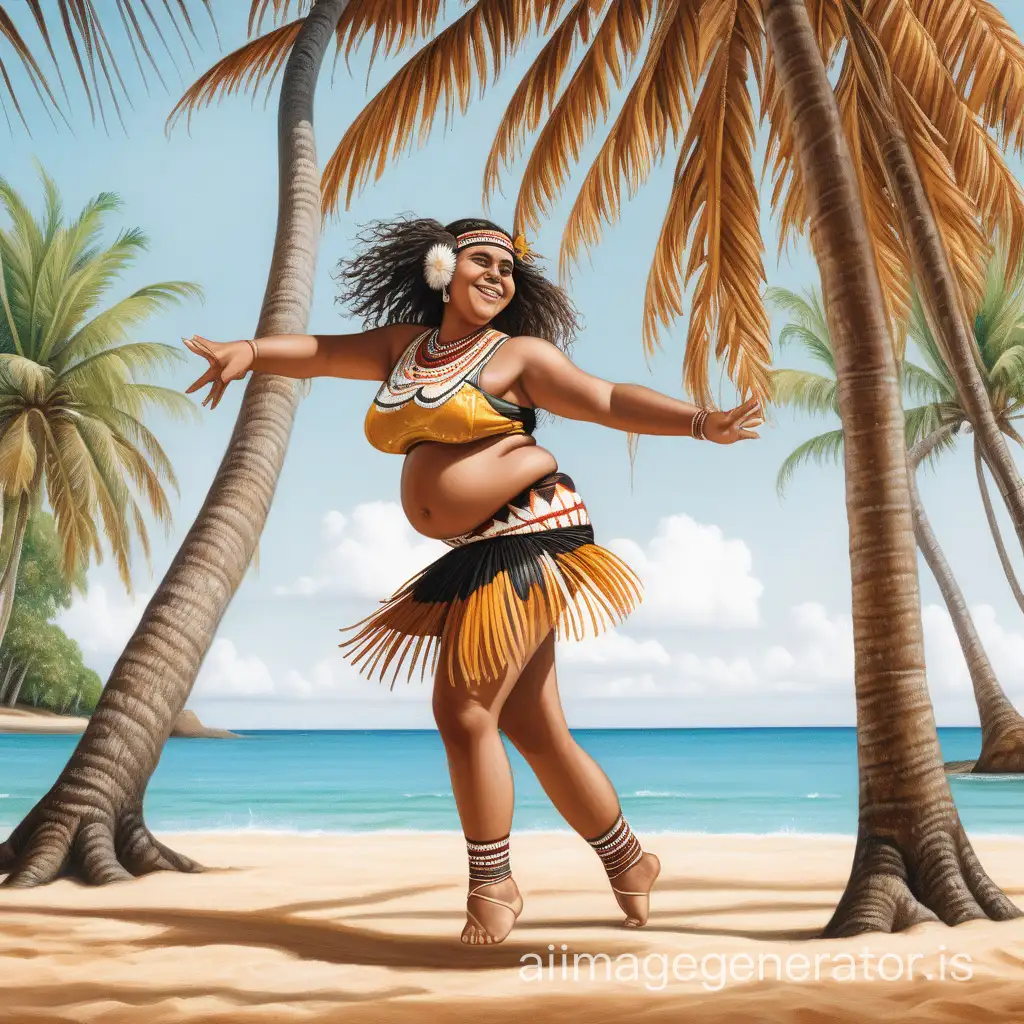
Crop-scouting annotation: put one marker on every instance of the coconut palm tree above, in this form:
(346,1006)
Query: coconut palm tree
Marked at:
(913,861)
(90,823)
(931,428)
(71,407)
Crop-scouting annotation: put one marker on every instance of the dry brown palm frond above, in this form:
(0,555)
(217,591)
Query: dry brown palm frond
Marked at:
(536,93)
(586,98)
(394,24)
(278,9)
(9,31)
(977,163)
(439,77)
(781,163)
(85,25)
(655,106)
(985,57)
(715,196)
(243,69)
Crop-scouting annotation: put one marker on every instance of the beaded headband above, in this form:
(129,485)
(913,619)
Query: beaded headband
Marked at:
(439,264)
(484,237)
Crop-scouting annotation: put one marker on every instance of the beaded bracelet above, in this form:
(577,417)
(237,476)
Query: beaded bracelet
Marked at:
(697,425)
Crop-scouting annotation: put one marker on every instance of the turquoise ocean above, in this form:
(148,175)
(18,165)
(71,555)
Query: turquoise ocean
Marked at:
(740,781)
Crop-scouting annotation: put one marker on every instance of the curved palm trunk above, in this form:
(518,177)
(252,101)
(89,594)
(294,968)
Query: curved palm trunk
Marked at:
(1002,728)
(6,681)
(993,525)
(912,861)
(940,296)
(9,577)
(16,692)
(91,821)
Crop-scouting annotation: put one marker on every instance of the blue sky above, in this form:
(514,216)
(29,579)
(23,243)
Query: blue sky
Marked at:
(747,619)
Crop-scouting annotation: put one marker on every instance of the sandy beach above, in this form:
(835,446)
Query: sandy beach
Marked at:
(365,929)
(36,720)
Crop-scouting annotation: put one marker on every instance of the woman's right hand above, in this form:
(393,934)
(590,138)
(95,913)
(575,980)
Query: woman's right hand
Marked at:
(229,360)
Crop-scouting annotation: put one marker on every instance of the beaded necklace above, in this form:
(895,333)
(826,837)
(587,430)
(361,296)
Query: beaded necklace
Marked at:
(430,372)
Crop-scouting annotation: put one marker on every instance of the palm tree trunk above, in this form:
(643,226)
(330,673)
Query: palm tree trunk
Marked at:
(9,576)
(90,822)
(993,525)
(1002,727)
(940,296)
(912,861)
(5,681)
(16,692)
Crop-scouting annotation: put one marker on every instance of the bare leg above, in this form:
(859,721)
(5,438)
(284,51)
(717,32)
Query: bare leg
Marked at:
(482,785)
(533,720)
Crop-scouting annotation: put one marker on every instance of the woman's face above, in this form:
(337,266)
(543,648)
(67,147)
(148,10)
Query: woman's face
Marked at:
(483,284)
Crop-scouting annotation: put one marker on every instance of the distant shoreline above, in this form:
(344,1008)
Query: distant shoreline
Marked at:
(37,721)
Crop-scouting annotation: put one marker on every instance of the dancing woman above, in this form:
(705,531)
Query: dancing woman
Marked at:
(469,339)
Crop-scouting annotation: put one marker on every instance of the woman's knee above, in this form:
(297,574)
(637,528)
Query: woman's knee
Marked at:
(461,720)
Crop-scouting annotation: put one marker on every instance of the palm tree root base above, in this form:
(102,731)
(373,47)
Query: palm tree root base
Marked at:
(1002,755)
(937,878)
(97,850)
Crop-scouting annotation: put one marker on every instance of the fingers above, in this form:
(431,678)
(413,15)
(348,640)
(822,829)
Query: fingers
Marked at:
(743,412)
(207,378)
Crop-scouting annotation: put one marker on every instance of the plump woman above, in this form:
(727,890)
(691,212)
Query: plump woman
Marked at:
(468,339)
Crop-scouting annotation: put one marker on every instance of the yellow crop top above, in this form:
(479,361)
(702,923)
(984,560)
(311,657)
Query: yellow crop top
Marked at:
(433,394)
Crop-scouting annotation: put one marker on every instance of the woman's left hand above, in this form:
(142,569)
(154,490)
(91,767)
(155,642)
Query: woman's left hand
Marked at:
(734,425)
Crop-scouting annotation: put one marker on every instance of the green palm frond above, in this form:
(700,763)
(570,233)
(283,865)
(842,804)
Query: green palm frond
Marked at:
(120,321)
(921,385)
(806,392)
(928,347)
(136,399)
(138,435)
(924,420)
(920,421)
(1006,377)
(116,365)
(808,327)
(820,450)
(999,324)
(74,391)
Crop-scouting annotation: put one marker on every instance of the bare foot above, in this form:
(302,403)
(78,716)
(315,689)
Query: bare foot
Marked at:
(492,908)
(632,889)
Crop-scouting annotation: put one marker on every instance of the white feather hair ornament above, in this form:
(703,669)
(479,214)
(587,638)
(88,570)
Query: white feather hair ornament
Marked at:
(439,267)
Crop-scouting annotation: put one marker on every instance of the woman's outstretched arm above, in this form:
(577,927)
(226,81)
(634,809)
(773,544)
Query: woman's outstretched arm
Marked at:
(368,355)
(553,382)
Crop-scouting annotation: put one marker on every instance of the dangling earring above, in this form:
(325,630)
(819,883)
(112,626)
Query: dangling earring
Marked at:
(439,269)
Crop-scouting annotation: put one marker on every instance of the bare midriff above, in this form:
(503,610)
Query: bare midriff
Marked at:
(449,489)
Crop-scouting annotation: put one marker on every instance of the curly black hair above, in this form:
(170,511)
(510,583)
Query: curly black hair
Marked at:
(383,282)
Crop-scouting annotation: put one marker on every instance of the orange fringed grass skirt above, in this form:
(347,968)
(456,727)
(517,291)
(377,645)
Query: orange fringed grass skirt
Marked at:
(531,568)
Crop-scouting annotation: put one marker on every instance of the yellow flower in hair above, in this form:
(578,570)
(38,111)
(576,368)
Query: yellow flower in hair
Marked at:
(524,252)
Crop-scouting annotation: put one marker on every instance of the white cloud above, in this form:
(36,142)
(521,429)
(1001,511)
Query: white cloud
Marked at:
(947,667)
(334,678)
(100,624)
(693,576)
(226,673)
(615,650)
(368,555)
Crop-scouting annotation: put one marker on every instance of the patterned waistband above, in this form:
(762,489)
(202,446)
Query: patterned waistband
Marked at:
(551,503)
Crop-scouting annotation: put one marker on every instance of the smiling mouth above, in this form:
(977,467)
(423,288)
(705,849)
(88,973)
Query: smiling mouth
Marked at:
(490,293)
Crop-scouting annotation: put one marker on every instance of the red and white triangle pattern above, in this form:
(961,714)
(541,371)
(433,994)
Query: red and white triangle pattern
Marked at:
(549,505)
